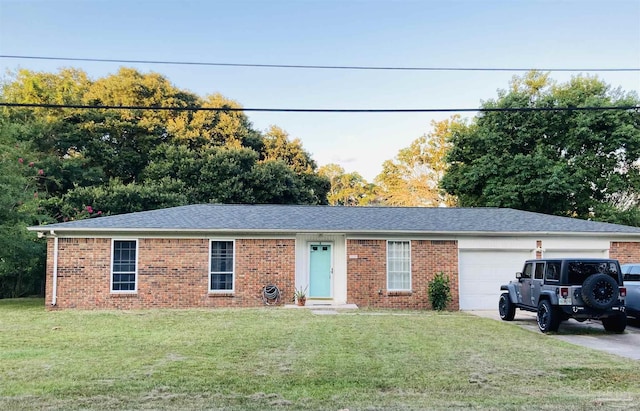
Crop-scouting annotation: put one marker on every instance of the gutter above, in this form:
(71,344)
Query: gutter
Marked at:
(54,289)
(349,232)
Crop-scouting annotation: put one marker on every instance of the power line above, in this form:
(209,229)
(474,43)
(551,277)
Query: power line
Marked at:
(318,67)
(318,110)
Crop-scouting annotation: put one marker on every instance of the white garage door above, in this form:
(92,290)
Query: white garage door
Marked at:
(575,253)
(483,272)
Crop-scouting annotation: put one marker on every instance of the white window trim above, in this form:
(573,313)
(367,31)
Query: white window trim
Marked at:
(410,267)
(233,272)
(113,246)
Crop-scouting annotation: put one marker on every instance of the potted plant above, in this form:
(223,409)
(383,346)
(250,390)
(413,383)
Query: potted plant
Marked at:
(300,296)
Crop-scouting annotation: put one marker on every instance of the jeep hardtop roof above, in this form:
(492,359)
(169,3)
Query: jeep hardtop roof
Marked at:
(587,260)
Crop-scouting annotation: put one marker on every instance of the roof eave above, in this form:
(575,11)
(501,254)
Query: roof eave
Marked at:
(200,231)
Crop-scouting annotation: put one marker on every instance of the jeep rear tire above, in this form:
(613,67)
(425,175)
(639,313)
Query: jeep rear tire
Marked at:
(600,291)
(615,324)
(506,308)
(548,317)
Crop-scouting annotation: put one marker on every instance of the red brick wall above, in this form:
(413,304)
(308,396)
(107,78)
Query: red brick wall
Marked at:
(367,274)
(625,252)
(172,273)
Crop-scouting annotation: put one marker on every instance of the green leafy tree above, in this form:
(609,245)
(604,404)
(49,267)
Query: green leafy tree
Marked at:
(233,175)
(347,189)
(412,179)
(574,163)
(217,128)
(21,252)
(278,146)
(56,134)
(70,163)
(115,198)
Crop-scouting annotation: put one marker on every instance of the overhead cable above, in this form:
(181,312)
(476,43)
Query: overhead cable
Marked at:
(318,110)
(321,67)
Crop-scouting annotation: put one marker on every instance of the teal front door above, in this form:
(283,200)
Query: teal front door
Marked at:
(320,271)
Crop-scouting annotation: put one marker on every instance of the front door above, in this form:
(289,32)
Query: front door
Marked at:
(320,271)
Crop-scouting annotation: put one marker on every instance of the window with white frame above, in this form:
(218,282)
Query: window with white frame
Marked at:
(399,265)
(124,267)
(221,273)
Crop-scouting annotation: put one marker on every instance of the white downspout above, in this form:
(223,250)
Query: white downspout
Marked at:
(54,290)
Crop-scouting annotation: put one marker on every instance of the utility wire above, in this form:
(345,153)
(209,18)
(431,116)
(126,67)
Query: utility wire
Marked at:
(319,110)
(317,67)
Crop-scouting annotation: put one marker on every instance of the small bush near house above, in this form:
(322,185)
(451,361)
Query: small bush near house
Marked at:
(439,292)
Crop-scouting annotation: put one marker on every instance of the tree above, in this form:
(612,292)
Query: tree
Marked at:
(218,128)
(313,186)
(115,198)
(22,254)
(219,151)
(233,175)
(69,163)
(572,163)
(413,177)
(347,189)
(278,146)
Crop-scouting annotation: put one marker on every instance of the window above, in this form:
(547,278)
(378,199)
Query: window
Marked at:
(580,270)
(539,274)
(631,272)
(124,265)
(399,265)
(221,273)
(553,271)
(528,268)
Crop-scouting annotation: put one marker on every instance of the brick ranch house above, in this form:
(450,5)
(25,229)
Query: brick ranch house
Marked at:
(213,255)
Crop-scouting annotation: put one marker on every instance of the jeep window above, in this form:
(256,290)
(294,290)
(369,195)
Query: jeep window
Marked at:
(631,272)
(553,271)
(579,271)
(526,273)
(539,275)
(630,268)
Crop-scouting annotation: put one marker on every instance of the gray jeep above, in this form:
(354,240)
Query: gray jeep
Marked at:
(559,289)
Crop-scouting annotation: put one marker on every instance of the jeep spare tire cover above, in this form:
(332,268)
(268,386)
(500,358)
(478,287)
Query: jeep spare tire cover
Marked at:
(600,291)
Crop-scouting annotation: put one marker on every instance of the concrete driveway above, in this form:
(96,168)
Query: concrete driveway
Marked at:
(587,334)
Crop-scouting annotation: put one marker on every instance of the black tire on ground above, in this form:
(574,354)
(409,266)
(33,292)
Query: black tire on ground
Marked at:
(506,308)
(548,317)
(615,324)
(600,291)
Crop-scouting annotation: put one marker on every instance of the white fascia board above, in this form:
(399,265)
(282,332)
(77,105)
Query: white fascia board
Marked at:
(351,234)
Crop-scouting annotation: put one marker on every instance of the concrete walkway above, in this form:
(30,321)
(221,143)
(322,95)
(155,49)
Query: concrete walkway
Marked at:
(589,334)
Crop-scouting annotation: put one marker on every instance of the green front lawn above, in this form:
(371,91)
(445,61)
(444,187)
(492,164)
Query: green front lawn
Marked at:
(276,358)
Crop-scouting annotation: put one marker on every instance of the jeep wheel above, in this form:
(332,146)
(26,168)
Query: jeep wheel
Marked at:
(615,324)
(548,317)
(600,291)
(506,308)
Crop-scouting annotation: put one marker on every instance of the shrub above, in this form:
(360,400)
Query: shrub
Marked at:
(439,292)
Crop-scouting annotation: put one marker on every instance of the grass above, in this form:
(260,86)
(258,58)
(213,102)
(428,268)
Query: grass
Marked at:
(274,358)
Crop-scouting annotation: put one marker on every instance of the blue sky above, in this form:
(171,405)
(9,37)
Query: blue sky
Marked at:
(457,33)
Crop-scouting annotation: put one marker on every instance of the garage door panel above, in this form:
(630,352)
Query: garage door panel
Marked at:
(575,254)
(483,272)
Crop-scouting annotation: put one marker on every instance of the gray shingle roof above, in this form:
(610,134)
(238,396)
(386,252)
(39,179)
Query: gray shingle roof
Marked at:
(296,218)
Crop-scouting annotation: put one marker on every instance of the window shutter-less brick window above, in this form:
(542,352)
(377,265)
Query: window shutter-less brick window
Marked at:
(221,266)
(124,265)
(399,265)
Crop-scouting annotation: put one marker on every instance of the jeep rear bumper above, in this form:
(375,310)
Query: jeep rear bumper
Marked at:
(586,313)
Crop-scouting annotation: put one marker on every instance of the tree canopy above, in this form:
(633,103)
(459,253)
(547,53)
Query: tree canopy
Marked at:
(347,189)
(68,163)
(573,163)
(412,179)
